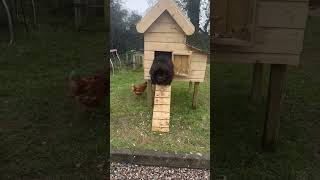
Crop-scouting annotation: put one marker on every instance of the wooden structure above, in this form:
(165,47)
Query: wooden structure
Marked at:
(261,32)
(161,109)
(165,29)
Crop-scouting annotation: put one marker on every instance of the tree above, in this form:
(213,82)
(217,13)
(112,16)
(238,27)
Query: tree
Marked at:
(123,33)
(193,11)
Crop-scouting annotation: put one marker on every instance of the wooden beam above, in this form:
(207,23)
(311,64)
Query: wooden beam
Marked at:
(161,111)
(195,95)
(256,86)
(190,87)
(149,93)
(272,121)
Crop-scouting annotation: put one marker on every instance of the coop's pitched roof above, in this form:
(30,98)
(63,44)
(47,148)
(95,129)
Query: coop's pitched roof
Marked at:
(173,10)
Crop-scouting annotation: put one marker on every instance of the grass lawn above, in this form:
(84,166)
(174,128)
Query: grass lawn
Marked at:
(131,117)
(238,130)
(40,134)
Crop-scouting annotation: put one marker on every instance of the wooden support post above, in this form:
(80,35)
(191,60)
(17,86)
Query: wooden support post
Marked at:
(195,95)
(256,86)
(134,61)
(272,121)
(190,87)
(149,93)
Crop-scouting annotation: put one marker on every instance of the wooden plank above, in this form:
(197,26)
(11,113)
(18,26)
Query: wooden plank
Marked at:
(160,129)
(161,108)
(195,66)
(284,14)
(165,94)
(160,123)
(163,88)
(161,115)
(165,37)
(195,74)
(158,46)
(275,40)
(148,55)
(162,101)
(197,57)
(181,65)
(161,112)
(165,28)
(182,79)
(272,122)
(198,66)
(252,58)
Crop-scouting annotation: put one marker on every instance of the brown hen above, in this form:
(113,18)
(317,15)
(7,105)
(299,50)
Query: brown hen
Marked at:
(139,89)
(90,90)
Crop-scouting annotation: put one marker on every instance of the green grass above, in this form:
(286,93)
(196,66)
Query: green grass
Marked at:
(131,117)
(40,132)
(238,130)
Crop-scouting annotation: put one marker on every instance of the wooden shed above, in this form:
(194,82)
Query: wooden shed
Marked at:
(261,32)
(165,29)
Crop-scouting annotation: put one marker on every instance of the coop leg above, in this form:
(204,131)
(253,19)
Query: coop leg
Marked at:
(195,95)
(149,93)
(256,86)
(190,87)
(134,62)
(272,121)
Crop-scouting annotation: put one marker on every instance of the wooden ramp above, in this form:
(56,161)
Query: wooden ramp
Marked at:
(161,109)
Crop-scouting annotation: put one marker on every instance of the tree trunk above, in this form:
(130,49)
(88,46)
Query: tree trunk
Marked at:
(193,10)
(9,20)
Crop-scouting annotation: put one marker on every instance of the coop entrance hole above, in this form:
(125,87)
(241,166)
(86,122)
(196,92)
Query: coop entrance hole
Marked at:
(163,53)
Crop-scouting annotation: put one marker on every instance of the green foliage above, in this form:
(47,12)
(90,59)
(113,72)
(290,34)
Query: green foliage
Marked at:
(123,33)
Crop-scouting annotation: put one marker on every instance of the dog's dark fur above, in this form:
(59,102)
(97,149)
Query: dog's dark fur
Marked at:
(161,71)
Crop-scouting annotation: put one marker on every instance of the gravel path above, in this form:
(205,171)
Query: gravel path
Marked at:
(130,171)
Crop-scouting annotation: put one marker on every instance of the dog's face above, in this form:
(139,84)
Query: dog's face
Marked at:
(161,71)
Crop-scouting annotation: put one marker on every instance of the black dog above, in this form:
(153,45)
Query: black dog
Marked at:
(161,71)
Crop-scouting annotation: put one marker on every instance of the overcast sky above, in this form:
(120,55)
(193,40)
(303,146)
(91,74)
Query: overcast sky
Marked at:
(141,6)
(137,5)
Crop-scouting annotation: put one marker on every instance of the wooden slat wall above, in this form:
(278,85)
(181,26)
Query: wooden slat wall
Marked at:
(198,67)
(283,14)
(279,34)
(275,40)
(165,35)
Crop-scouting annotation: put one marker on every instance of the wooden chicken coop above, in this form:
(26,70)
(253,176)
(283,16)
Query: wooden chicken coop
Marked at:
(165,29)
(261,32)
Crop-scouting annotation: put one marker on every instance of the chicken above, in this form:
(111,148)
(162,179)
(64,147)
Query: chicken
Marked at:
(90,90)
(139,89)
